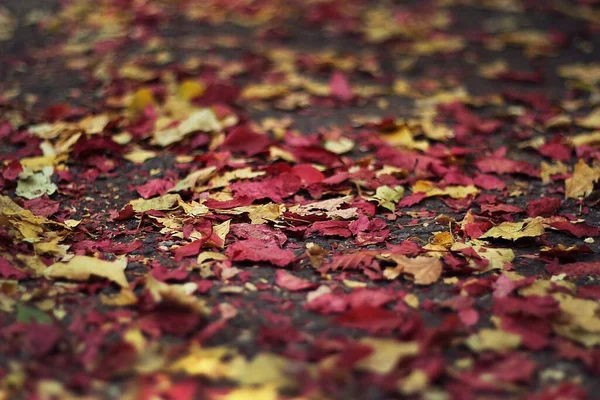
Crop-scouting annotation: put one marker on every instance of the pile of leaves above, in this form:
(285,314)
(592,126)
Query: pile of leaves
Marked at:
(297,199)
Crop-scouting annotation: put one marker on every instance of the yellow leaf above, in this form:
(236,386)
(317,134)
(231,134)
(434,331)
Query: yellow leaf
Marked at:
(497,257)
(516,230)
(494,340)
(581,183)
(179,295)
(224,179)
(27,225)
(404,137)
(82,268)
(140,100)
(193,179)
(263,91)
(387,197)
(190,89)
(251,393)
(424,269)
(126,297)
(202,120)
(586,73)
(456,192)
(165,202)
(32,185)
(386,355)
(210,362)
(552,169)
(582,139)
(221,230)
(339,146)
(592,120)
(139,156)
(415,382)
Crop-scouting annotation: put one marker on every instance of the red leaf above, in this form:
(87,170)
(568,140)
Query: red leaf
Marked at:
(340,87)
(12,170)
(543,207)
(256,250)
(242,139)
(575,270)
(8,271)
(154,187)
(291,282)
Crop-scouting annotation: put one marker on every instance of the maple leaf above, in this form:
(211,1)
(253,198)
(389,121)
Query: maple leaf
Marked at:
(581,183)
(386,354)
(516,230)
(493,339)
(387,197)
(291,282)
(32,185)
(256,250)
(456,192)
(424,269)
(179,295)
(165,202)
(82,268)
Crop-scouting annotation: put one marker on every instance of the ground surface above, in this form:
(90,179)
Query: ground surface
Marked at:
(299,199)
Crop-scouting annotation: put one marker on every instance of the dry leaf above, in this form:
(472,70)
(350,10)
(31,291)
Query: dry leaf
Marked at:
(82,268)
(424,269)
(456,192)
(494,340)
(165,202)
(581,183)
(516,230)
(32,185)
(386,355)
(180,295)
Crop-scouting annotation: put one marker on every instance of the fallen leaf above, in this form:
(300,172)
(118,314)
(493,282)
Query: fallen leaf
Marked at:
(528,228)
(424,269)
(82,268)
(493,340)
(386,354)
(32,185)
(581,183)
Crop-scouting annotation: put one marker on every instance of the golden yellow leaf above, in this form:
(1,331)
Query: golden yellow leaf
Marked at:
(339,146)
(582,139)
(193,179)
(516,230)
(82,268)
(266,392)
(497,257)
(190,89)
(140,100)
(28,227)
(263,91)
(456,192)
(387,197)
(179,295)
(424,269)
(581,183)
(386,355)
(404,137)
(417,381)
(592,120)
(552,169)
(139,156)
(125,297)
(201,120)
(494,340)
(165,202)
